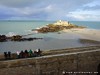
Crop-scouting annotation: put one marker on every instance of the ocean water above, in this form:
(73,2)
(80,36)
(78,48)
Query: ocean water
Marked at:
(23,27)
(20,27)
(88,24)
(49,41)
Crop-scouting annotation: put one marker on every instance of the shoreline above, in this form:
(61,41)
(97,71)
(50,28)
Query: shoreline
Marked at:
(66,39)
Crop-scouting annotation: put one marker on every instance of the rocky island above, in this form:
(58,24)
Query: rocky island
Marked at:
(4,38)
(55,27)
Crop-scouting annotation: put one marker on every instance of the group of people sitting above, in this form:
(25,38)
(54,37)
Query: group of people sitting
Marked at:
(24,54)
(30,53)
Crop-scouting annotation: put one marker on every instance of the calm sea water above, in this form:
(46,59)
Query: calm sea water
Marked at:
(50,41)
(88,24)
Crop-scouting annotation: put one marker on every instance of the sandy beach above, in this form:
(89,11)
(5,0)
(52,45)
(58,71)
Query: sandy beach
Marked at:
(85,33)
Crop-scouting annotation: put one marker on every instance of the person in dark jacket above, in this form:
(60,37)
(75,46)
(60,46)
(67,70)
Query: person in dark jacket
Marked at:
(38,52)
(9,55)
(21,54)
(5,55)
(26,54)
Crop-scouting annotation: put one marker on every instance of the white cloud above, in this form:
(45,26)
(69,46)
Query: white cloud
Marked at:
(48,9)
(93,4)
(85,15)
(77,16)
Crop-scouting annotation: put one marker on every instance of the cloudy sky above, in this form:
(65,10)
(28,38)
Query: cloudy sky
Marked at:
(83,10)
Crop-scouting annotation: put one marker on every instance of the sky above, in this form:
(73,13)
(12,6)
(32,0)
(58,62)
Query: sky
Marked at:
(72,10)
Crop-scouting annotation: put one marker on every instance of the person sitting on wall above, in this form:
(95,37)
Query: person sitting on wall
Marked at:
(38,52)
(18,54)
(30,53)
(21,54)
(35,53)
(26,54)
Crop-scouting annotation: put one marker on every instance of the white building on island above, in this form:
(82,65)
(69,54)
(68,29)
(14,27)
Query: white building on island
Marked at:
(63,23)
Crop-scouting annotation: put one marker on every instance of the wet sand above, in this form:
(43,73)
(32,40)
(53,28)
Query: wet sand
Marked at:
(85,33)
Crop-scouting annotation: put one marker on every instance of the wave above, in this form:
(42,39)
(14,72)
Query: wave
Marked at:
(11,34)
(31,32)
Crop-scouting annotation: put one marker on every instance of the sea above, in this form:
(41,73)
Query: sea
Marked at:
(50,41)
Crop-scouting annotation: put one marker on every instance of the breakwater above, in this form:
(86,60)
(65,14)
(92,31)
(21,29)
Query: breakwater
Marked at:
(77,60)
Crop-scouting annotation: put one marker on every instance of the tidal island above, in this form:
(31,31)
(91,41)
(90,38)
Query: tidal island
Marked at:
(56,27)
(85,33)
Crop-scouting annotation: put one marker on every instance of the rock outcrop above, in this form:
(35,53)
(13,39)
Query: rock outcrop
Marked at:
(4,38)
(55,27)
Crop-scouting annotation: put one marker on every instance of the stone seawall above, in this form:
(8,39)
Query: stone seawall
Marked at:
(84,61)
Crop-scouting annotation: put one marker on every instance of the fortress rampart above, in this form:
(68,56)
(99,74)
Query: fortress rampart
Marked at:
(83,61)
